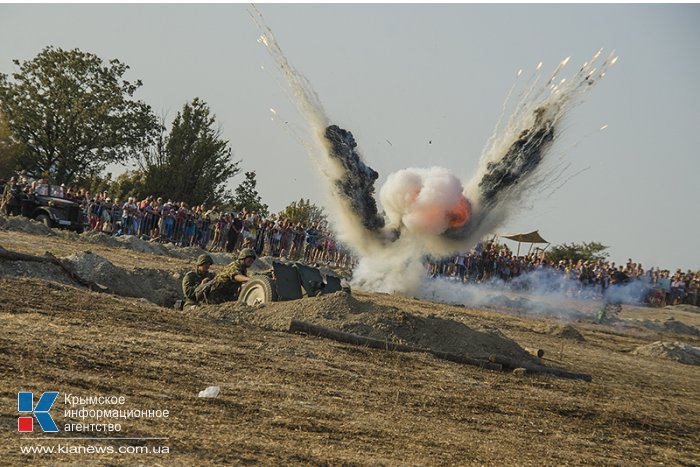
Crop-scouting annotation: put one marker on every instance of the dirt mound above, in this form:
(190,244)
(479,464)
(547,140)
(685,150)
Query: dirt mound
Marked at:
(567,332)
(23,224)
(46,271)
(155,285)
(670,325)
(344,312)
(66,234)
(135,243)
(98,238)
(677,351)
(126,241)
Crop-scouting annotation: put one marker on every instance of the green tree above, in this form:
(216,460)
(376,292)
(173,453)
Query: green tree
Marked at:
(74,114)
(192,163)
(303,211)
(96,184)
(592,251)
(246,196)
(130,183)
(10,150)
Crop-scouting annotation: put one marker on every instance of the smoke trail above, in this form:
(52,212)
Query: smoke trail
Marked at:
(430,211)
(351,182)
(303,94)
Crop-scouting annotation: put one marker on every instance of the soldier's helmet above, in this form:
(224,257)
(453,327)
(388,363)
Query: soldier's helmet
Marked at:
(246,253)
(204,259)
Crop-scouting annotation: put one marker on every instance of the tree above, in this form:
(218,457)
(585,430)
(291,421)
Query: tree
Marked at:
(246,196)
(592,251)
(10,150)
(303,211)
(130,183)
(74,114)
(97,184)
(192,163)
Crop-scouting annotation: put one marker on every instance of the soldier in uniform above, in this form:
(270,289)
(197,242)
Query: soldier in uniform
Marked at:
(11,198)
(194,281)
(227,284)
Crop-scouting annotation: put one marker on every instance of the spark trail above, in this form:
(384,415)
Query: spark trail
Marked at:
(430,211)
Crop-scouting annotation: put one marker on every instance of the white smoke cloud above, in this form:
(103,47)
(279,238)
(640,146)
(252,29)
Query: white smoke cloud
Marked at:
(378,271)
(631,293)
(421,200)
(542,292)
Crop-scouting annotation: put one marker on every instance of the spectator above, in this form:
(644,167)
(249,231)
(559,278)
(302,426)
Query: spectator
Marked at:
(237,227)
(312,235)
(129,211)
(105,223)
(11,198)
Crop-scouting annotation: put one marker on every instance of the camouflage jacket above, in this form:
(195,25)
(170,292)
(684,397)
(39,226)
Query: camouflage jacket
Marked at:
(190,283)
(225,287)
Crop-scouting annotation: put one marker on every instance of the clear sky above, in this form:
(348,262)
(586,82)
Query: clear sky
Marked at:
(430,79)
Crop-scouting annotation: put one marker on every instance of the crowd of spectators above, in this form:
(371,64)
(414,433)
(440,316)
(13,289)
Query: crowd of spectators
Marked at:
(494,262)
(212,229)
(215,230)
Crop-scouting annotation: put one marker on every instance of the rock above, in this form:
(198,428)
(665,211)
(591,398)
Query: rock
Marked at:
(210,392)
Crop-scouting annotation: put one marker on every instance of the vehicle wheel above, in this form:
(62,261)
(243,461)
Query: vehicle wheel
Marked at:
(260,289)
(44,219)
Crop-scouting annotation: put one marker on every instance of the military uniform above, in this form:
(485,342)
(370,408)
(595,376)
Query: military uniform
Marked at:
(225,288)
(11,199)
(190,282)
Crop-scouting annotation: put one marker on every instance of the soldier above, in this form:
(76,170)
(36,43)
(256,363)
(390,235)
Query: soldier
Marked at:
(194,281)
(227,284)
(11,202)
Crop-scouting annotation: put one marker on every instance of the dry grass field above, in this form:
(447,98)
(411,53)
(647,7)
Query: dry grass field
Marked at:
(295,399)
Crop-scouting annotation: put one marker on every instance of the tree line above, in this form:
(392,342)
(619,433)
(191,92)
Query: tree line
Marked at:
(67,114)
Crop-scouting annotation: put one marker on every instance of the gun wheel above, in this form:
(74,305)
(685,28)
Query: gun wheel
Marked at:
(258,290)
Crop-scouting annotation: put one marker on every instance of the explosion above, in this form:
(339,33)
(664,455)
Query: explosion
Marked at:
(430,211)
(424,200)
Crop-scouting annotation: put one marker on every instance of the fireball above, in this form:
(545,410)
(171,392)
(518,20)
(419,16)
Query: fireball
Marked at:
(460,214)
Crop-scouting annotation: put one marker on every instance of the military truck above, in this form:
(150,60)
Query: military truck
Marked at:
(48,204)
(288,281)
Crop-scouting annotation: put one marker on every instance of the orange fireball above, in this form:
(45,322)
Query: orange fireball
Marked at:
(459,215)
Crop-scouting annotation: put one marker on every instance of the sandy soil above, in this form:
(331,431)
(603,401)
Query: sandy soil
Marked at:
(293,399)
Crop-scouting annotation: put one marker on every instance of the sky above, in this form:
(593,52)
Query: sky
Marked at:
(423,85)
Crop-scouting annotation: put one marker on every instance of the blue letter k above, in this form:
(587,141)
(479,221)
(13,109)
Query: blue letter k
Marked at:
(41,411)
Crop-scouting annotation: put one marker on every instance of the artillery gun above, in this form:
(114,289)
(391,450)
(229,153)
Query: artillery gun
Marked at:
(288,281)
